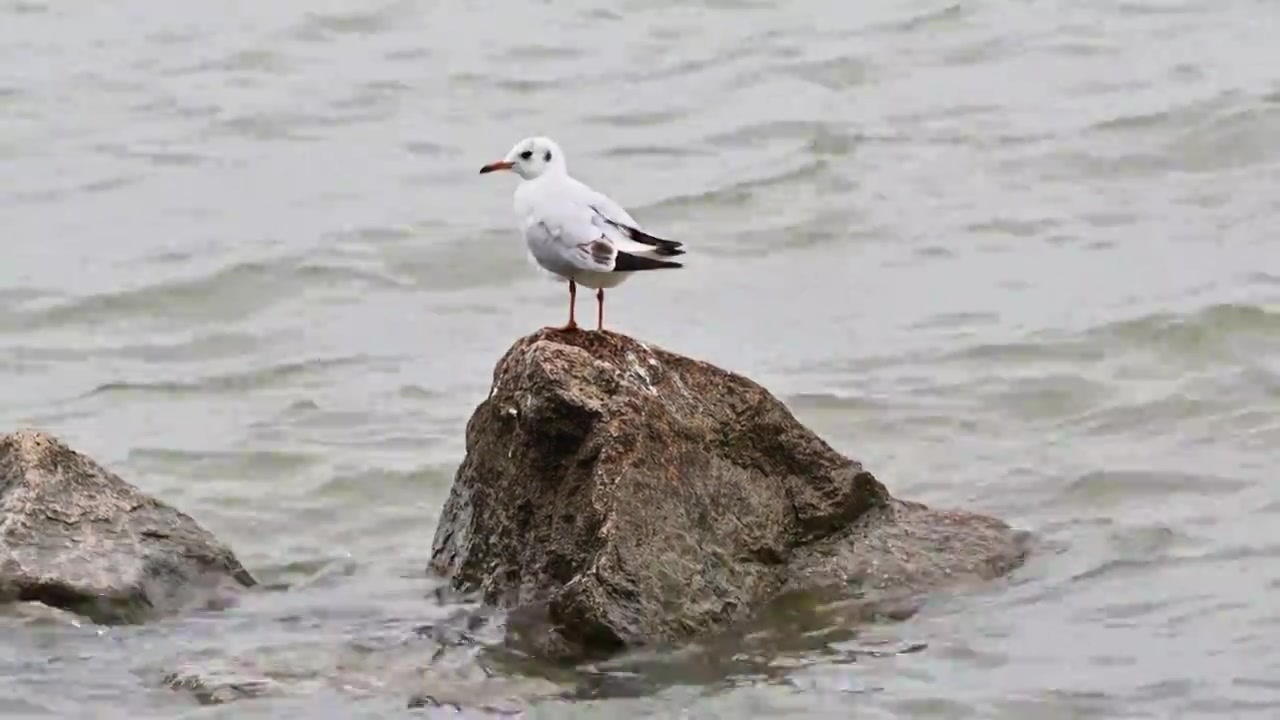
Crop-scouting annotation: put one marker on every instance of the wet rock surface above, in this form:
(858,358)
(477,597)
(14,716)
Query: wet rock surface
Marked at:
(615,495)
(216,685)
(75,536)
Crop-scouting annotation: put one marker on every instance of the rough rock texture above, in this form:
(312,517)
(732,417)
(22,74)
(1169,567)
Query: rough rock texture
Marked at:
(212,685)
(616,495)
(75,536)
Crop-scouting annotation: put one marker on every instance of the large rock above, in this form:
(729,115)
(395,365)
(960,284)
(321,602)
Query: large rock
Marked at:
(616,495)
(75,536)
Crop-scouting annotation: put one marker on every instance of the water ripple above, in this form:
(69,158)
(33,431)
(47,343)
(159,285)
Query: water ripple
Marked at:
(1017,258)
(295,374)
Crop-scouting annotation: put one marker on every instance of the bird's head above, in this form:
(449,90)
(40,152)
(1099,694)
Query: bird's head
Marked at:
(530,158)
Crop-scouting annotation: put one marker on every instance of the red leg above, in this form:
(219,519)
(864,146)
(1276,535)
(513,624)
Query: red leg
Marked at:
(573,297)
(600,309)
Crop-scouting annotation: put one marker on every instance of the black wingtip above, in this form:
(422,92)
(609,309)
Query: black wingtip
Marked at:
(626,262)
(661,246)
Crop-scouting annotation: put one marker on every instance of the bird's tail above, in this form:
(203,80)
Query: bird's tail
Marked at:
(667,248)
(626,262)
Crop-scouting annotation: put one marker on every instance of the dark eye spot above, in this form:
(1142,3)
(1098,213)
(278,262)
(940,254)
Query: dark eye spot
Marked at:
(526,154)
(547,157)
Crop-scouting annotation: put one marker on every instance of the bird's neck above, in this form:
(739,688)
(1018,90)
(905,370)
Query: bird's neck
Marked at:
(552,172)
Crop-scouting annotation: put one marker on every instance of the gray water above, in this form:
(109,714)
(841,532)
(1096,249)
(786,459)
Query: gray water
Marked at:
(1017,257)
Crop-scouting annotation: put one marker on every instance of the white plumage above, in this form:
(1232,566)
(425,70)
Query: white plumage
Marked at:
(576,232)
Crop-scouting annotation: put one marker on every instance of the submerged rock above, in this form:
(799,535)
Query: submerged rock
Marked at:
(75,536)
(616,495)
(213,685)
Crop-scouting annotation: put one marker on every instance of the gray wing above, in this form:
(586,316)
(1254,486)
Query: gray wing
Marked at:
(559,253)
(564,245)
(618,225)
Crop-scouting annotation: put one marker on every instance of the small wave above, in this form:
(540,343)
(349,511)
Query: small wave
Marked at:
(1225,329)
(648,118)
(836,73)
(266,126)
(369,235)
(1140,486)
(1264,278)
(742,193)
(540,51)
(320,275)
(227,294)
(1152,417)
(820,139)
(1015,227)
(408,485)
(1165,8)
(1048,397)
(893,20)
(319,27)
(107,184)
(253,60)
(1241,136)
(284,374)
(832,401)
(426,148)
(422,264)
(198,349)
(516,85)
(1135,121)
(417,392)
(214,464)
(16,295)
(955,320)
(1221,132)
(308,573)
(1141,551)
(160,157)
(935,19)
(295,126)
(372,100)
(1209,332)
(1028,351)
(653,151)
(684,66)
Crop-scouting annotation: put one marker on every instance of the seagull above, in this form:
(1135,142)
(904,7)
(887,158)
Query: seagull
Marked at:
(574,231)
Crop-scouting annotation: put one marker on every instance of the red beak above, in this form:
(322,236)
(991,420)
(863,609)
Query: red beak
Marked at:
(500,165)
